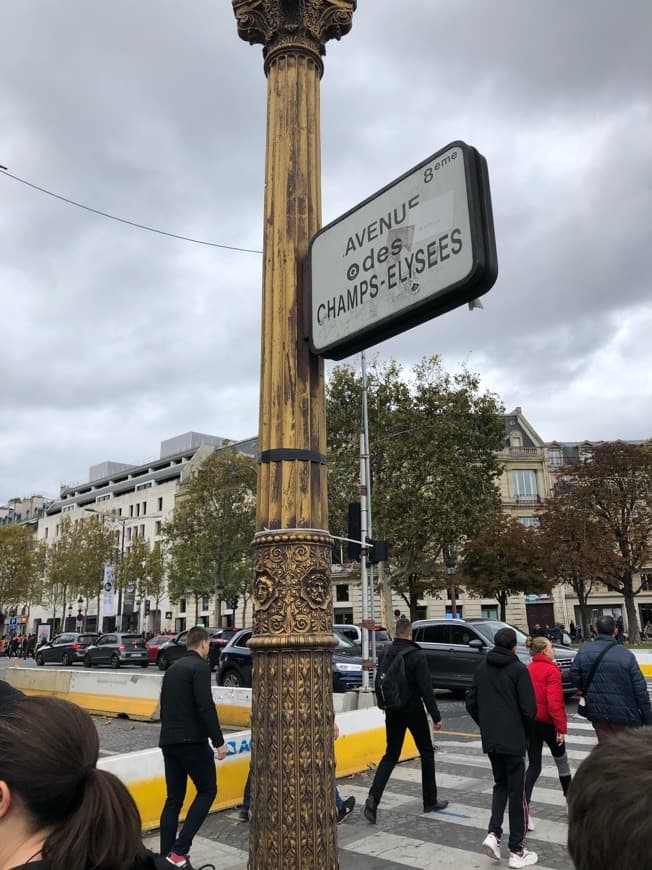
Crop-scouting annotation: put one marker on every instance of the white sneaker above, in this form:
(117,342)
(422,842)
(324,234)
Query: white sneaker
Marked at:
(530,823)
(525,859)
(491,846)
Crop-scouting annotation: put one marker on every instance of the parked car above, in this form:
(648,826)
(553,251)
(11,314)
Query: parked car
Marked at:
(235,663)
(455,647)
(154,644)
(117,649)
(66,648)
(176,647)
(354,634)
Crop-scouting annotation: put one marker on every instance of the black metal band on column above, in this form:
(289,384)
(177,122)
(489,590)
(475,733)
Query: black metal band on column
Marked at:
(290,454)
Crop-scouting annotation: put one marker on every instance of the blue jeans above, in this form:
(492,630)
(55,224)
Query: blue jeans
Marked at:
(183,760)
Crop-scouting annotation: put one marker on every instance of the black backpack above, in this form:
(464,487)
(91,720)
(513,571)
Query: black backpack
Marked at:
(391,682)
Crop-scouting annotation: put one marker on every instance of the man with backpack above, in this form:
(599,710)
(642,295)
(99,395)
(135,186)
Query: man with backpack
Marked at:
(403,686)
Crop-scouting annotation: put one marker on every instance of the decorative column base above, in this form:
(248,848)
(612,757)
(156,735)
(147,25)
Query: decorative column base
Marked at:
(293,767)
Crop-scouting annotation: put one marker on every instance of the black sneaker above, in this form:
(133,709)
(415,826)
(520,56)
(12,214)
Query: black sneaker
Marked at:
(370,809)
(346,809)
(243,815)
(436,807)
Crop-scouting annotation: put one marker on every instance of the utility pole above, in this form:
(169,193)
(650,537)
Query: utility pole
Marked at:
(294,826)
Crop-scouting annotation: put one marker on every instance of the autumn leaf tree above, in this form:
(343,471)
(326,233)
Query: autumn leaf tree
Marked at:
(502,560)
(613,484)
(209,539)
(573,546)
(434,441)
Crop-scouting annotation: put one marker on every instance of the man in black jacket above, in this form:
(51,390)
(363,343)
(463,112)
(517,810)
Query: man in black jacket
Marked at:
(188,720)
(417,692)
(502,702)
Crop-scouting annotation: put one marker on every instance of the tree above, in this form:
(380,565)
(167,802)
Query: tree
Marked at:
(18,566)
(434,442)
(209,539)
(572,546)
(613,484)
(502,560)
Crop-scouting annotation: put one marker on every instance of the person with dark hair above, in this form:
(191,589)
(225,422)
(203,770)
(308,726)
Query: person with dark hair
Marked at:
(611,684)
(8,693)
(58,811)
(502,702)
(188,720)
(608,832)
(550,723)
(416,692)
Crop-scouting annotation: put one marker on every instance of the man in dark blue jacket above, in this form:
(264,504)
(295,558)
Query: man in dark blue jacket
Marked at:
(188,720)
(502,702)
(617,696)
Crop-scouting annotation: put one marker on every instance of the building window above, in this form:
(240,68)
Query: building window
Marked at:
(449,611)
(489,611)
(137,509)
(131,510)
(64,510)
(515,440)
(421,611)
(160,503)
(146,485)
(646,582)
(144,508)
(46,532)
(106,497)
(528,521)
(182,605)
(129,534)
(157,527)
(142,531)
(524,485)
(342,592)
(554,457)
(204,602)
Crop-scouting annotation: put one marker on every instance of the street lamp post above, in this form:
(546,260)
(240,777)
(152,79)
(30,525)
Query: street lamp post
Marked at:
(294,825)
(450,560)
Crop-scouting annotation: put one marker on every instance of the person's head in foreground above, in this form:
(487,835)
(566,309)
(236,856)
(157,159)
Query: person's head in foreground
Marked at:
(57,810)
(610,803)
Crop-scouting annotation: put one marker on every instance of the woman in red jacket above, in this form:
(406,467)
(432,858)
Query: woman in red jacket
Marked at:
(550,723)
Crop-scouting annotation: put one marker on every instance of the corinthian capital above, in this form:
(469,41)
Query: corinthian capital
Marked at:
(301,23)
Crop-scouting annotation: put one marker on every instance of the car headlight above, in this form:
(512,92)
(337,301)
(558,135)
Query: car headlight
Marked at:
(348,669)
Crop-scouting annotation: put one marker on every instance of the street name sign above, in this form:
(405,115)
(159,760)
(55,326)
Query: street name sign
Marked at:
(421,246)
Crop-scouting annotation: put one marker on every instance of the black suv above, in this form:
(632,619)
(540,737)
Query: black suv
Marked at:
(455,647)
(66,648)
(235,663)
(172,650)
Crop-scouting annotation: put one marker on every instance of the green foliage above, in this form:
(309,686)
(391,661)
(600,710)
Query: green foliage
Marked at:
(19,561)
(434,440)
(209,540)
(503,560)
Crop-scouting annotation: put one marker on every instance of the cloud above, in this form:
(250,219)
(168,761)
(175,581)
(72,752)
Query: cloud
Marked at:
(113,339)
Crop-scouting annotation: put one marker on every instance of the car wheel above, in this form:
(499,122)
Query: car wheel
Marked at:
(65,660)
(115,661)
(162,662)
(87,662)
(39,659)
(144,664)
(232,680)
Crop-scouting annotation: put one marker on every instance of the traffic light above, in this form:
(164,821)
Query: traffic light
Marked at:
(378,551)
(233,603)
(353,531)
(147,606)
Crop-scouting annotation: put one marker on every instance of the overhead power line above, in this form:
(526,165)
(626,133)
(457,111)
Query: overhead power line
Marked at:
(121,220)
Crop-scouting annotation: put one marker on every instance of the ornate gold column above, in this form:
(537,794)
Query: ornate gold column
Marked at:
(293,820)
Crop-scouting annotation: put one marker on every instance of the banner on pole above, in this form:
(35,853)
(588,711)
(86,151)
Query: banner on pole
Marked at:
(108,601)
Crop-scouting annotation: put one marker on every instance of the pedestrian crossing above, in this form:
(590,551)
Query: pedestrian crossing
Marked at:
(406,837)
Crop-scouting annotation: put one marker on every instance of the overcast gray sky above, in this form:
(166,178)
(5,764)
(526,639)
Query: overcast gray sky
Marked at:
(113,339)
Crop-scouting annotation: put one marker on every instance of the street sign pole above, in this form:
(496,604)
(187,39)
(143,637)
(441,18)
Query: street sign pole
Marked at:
(292,765)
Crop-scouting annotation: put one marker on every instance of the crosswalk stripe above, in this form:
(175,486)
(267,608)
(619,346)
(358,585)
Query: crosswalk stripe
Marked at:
(551,796)
(444,755)
(420,854)
(481,761)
